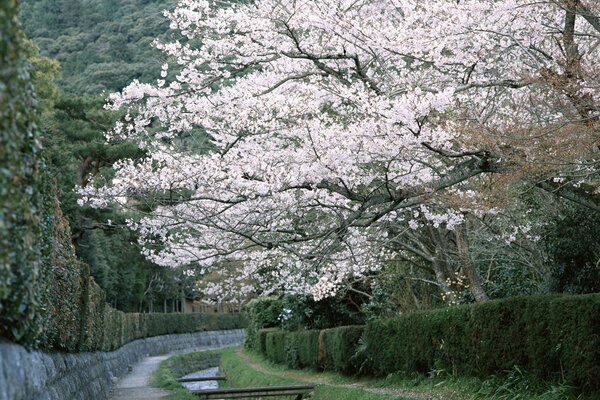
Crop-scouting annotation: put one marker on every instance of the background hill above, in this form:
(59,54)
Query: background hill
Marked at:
(101,45)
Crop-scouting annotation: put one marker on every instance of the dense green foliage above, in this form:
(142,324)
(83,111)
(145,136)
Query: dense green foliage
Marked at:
(48,297)
(93,325)
(302,349)
(340,346)
(303,312)
(102,327)
(296,312)
(101,45)
(261,339)
(75,151)
(331,349)
(262,312)
(275,346)
(552,337)
(573,244)
(21,218)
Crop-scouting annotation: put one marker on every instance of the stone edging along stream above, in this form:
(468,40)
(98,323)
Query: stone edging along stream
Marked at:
(35,375)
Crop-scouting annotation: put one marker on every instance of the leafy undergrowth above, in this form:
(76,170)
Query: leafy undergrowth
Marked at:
(249,369)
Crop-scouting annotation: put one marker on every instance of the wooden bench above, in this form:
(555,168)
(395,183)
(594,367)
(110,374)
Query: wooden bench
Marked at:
(203,379)
(300,391)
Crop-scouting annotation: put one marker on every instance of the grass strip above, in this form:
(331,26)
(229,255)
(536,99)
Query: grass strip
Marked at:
(241,374)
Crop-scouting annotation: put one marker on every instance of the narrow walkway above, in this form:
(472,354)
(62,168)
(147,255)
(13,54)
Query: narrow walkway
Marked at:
(136,386)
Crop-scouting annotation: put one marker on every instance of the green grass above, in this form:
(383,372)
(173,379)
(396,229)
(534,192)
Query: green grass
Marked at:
(252,369)
(512,385)
(241,374)
(246,375)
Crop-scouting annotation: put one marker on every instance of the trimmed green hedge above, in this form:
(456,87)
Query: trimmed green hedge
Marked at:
(275,346)
(340,346)
(78,318)
(555,338)
(261,340)
(47,297)
(308,349)
(329,349)
(120,328)
(21,202)
(552,337)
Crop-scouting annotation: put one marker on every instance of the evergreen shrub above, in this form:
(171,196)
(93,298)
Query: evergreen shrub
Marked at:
(262,312)
(554,338)
(22,282)
(261,339)
(305,349)
(275,346)
(308,348)
(340,346)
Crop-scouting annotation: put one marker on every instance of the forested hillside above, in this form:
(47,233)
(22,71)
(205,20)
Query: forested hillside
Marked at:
(101,45)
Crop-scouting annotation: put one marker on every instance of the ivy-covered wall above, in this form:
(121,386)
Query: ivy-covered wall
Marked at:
(21,311)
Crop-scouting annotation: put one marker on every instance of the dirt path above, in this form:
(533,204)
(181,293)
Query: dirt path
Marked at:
(320,379)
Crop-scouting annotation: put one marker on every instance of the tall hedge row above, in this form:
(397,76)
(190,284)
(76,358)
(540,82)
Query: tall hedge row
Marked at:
(340,345)
(556,338)
(104,329)
(95,326)
(329,349)
(552,337)
(275,346)
(21,219)
(308,349)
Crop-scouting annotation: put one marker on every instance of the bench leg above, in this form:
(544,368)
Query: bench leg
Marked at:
(299,397)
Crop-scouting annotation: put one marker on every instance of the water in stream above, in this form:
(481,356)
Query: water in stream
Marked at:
(202,385)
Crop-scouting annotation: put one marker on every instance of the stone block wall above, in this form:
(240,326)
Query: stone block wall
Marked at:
(35,375)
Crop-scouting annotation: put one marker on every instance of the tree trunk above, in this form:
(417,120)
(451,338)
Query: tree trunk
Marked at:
(441,277)
(464,255)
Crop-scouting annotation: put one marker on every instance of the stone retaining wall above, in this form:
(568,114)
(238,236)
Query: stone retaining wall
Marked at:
(33,375)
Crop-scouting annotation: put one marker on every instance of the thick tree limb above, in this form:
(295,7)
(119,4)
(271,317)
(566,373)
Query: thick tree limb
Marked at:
(569,192)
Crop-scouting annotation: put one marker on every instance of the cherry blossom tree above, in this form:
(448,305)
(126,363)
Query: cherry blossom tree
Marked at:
(339,124)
